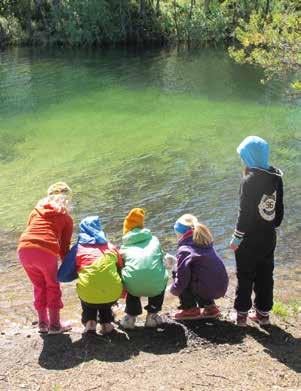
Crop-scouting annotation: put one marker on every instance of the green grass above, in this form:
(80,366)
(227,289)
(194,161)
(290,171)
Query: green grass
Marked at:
(285,311)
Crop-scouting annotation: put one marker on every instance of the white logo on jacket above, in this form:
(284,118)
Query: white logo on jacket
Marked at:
(267,206)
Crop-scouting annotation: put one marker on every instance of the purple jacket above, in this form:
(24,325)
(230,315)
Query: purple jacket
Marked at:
(201,268)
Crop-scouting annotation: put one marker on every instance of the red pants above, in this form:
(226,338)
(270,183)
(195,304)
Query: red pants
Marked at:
(41,268)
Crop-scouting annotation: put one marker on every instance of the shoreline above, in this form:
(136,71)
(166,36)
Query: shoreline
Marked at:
(181,356)
(16,294)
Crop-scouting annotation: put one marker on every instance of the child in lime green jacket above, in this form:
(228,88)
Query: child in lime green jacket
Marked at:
(144,273)
(95,262)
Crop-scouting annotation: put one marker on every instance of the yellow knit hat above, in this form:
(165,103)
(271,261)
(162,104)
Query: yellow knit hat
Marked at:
(59,188)
(135,219)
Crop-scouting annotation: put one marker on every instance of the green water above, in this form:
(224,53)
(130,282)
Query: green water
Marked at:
(156,129)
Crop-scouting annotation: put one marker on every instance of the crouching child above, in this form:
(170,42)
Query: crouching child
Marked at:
(200,276)
(144,273)
(96,264)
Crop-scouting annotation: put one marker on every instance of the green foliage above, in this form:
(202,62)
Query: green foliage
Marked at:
(286,310)
(272,42)
(100,22)
(82,22)
(198,27)
(280,309)
(10,30)
(256,24)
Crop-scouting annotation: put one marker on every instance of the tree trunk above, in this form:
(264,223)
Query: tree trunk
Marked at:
(192,4)
(267,8)
(142,7)
(158,8)
(206,6)
(176,18)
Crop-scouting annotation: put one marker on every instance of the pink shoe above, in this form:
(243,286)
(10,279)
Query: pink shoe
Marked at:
(239,318)
(43,327)
(211,312)
(107,328)
(59,328)
(192,313)
(262,320)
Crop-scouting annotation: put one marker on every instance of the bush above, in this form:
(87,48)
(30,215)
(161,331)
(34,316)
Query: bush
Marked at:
(10,31)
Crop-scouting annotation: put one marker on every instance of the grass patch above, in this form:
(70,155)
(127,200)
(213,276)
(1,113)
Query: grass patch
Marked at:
(286,310)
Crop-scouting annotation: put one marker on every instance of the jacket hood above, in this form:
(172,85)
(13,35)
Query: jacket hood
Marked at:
(53,205)
(137,235)
(254,151)
(48,207)
(272,171)
(91,231)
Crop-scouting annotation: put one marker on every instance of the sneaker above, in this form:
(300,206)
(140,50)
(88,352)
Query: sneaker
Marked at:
(211,312)
(262,320)
(128,322)
(192,313)
(107,328)
(43,327)
(90,327)
(240,319)
(153,320)
(59,328)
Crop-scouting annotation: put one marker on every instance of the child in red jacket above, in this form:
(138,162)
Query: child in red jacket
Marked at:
(47,237)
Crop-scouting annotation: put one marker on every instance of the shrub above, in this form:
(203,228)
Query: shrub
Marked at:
(10,31)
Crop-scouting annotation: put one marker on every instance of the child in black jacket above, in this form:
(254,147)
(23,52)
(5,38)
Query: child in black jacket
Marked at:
(254,239)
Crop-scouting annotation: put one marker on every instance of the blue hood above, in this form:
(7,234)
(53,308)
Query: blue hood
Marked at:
(254,151)
(91,231)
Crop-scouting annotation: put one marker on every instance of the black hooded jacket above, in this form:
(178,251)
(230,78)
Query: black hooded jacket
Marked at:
(261,202)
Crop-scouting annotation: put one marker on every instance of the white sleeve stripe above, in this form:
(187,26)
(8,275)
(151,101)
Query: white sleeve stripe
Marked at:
(239,232)
(238,235)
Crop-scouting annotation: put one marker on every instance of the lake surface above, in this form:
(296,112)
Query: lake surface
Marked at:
(156,129)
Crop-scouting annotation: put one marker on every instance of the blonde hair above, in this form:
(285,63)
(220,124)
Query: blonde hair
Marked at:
(59,196)
(59,188)
(201,234)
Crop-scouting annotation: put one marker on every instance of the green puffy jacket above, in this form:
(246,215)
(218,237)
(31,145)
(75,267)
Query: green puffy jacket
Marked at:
(144,273)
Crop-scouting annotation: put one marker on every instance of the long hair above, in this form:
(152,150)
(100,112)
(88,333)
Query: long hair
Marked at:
(201,234)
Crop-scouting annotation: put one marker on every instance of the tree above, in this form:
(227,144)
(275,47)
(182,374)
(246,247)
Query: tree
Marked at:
(272,42)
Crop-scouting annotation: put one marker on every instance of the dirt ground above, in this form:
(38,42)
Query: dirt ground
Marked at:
(191,355)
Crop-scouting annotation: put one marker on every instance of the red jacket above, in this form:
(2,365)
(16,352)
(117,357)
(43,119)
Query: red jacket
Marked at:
(88,253)
(49,229)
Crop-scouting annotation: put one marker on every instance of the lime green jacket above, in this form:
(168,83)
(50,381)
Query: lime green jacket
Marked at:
(144,273)
(100,282)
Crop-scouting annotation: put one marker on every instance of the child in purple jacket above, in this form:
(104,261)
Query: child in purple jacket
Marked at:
(200,277)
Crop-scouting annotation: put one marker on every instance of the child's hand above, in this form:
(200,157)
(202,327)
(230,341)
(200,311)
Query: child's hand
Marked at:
(234,244)
(168,288)
(169,261)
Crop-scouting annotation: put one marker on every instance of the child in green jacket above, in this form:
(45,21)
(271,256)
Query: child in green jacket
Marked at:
(144,273)
(96,264)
